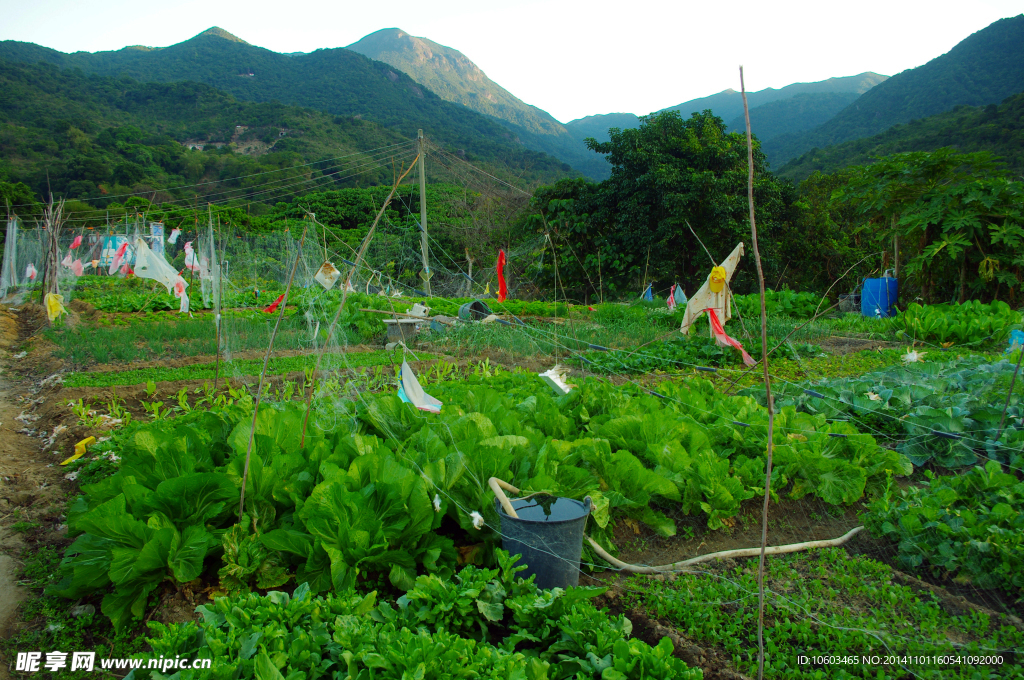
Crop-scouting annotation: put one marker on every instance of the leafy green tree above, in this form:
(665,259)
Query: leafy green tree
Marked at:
(819,242)
(667,174)
(15,194)
(958,218)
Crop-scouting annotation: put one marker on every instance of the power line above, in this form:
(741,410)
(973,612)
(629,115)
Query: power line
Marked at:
(232,179)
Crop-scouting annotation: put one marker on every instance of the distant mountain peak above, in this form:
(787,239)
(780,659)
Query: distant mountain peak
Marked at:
(219,32)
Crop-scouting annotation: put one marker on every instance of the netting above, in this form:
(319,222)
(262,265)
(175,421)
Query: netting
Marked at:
(319,355)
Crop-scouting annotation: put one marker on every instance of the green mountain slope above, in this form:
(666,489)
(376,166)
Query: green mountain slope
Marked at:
(799,112)
(996,128)
(96,137)
(455,78)
(814,99)
(728,104)
(984,68)
(597,126)
(336,81)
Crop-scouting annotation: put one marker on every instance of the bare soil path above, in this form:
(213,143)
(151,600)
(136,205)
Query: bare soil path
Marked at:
(31,481)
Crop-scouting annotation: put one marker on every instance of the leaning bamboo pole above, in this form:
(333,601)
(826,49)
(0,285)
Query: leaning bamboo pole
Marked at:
(344,297)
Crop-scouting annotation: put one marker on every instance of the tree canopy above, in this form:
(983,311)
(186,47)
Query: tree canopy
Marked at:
(668,175)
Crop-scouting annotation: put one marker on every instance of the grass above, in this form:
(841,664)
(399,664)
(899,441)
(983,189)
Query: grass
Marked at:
(247,367)
(160,336)
(827,602)
(48,624)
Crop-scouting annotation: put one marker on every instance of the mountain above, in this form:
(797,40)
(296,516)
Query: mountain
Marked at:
(728,104)
(984,68)
(336,81)
(814,103)
(597,126)
(455,78)
(995,128)
(98,137)
(799,112)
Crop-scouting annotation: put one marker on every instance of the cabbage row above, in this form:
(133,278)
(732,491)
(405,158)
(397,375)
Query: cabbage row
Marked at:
(382,490)
(945,412)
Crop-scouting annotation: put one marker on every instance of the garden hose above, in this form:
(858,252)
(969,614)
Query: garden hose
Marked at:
(499,487)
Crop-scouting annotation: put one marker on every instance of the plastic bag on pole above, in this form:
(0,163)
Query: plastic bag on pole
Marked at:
(150,265)
(54,306)
(118,256)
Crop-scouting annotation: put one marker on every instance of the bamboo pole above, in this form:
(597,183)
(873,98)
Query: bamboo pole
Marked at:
(767,388)
(344,297)
(263,375)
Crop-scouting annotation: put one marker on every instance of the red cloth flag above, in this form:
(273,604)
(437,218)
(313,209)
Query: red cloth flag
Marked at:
(273,308)
(502,288)
(724,340)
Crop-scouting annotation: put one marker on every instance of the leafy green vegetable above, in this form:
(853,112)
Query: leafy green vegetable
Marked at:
(932,411)
(485,623)
(970,525)
(965,324)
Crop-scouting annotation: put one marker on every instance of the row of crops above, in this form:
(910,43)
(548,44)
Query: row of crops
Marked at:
(382,488)
(372,550)
(383,498)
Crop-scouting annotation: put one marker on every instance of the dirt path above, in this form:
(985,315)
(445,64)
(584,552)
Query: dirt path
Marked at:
(31,484)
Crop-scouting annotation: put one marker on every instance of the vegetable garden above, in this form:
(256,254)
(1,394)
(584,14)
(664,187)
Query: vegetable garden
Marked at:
(369,544)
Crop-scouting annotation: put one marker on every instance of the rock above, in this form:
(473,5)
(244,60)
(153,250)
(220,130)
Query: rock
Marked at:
(82,610)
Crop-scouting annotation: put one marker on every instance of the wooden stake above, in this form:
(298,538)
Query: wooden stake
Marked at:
(767,388)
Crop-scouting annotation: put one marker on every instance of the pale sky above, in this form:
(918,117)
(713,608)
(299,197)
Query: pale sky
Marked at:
(571,58)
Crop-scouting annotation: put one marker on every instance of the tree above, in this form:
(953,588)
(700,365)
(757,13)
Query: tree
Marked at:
(16,197)
(666,174)
(958,218)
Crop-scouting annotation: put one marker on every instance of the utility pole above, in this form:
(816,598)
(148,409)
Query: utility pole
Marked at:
(423,217)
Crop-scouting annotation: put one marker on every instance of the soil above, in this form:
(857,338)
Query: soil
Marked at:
(840,345)
(807,519)
(32,488)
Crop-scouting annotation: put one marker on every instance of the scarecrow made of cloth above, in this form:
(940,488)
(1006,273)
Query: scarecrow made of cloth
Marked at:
(715,293)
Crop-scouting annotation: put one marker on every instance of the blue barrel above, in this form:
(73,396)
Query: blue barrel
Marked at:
(549,535)
(878,297)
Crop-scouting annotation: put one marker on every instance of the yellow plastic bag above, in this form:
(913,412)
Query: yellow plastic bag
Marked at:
(80,449)
(717,279)
(54,306)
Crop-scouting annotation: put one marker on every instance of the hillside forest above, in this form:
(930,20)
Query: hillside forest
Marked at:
(936,200)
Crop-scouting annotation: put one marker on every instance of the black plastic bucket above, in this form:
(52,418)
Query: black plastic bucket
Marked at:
(474,311)
(549,536)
